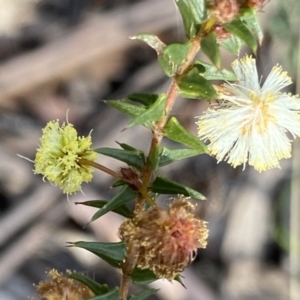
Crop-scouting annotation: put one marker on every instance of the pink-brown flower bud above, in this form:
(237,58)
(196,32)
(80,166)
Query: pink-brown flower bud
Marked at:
(165,241)
(224,11)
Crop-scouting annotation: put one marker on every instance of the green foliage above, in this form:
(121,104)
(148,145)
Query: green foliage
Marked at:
(172,57)
(168,156)
(125,195)
(94,286)
(151,40)
(233,44)
(142,98)
(143,295)
(140,114)
(132,157)
(111,295)
(248,15)
(210,48)
(112,253)
(239,29)
(191,79)
(162,185)
(176,132)
(122,210)
(211,72)
(194,86)
(193,13)
(153,113)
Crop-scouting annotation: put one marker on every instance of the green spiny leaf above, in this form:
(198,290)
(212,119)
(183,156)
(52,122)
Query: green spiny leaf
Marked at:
(143,98)
(176,132)
(210,48)
(122,210)
(198,8)
(213,73)
(163,185)
(95,287)
(168,156)
(125,195)
(132,158)
(142,276)
(111,295)
(132,110)
(249,16)
(189,23)
(143,295)
(233,44)
(155,112)
(173,57)
(194,86)
(239,29)
(113,253)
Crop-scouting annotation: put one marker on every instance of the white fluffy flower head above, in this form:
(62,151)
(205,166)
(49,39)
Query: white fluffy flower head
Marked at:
(251,122)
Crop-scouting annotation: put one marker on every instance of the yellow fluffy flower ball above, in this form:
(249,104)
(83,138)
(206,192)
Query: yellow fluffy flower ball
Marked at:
(64,158)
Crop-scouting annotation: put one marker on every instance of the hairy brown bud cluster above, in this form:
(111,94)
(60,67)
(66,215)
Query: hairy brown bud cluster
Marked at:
(165,241)
(224,11)
(62,288)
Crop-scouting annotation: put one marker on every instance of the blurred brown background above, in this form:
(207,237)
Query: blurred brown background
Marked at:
(68,55)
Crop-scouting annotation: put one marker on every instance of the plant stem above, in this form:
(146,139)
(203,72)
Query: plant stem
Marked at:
(100,167)
(171,97)
(156,140)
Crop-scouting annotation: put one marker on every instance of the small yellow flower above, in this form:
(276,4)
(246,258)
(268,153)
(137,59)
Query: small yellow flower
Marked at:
(250,122)
(62,288)
(165,241)
(63,157)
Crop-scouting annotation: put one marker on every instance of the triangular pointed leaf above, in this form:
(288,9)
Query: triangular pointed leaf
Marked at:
(163,185)
(213,73)
(132,110)
(210,48)
(125,195)
(249,16)
(113,253)
(233,44)
(155,112)
(94,286)
(132,158)
(168,156)
(142,276)
(239,29)
(122,210)
(198,9)
(143,98)
(187,18)
(176,132)
(173,57)
(143,295)
(127,147)
(152,40)
(194,86)
(111,295)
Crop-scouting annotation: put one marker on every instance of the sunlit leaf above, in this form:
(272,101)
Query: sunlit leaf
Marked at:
(113,253)
(153,113)
(194,86)
(176,132)
(133,158)
(163,185)
(94,286)
(125,195)
(210,48)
